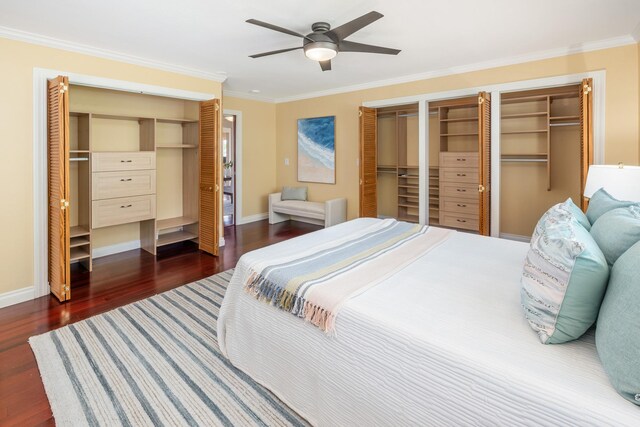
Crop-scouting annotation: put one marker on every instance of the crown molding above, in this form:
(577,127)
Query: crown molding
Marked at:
(24,36)
(519,59)
(636,33)
(249,96)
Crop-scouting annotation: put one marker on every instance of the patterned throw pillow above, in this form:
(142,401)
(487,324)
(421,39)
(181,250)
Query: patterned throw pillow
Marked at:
(564,278)
(618,331)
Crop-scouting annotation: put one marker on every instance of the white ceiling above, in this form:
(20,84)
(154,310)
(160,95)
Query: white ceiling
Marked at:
(211,36)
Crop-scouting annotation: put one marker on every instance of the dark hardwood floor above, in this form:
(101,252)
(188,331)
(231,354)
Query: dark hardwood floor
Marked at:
(116,280)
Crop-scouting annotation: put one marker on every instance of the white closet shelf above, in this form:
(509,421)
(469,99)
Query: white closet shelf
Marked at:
(177,146)
(79,253)
(176,121)
(79,241)
(164,224)
(175,237)
(79,230)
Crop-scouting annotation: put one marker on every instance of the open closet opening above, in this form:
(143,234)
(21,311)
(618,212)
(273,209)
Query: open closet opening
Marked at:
(229,172)
(459,167)
(125,171)
(541,154)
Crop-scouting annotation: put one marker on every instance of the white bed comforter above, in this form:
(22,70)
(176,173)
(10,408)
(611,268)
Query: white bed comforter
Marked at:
(443,342)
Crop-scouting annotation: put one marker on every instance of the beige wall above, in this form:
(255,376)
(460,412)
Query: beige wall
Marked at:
(16,138)
(622,112)
(258,152)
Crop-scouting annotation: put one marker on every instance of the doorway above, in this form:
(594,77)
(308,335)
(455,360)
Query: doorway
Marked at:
(229,169)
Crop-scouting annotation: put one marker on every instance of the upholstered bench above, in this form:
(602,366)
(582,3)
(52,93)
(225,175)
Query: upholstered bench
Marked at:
(327,213)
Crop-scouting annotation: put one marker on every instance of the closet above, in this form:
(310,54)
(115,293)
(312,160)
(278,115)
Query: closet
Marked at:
(545,151)
(389,167)
(459,154)
(118,177)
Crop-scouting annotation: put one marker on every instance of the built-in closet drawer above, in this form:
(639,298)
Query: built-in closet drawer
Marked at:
(454,159)
(458,190)
(460,206)
(122,210)
(459,174)
(108,185)
(122,161)
(458,220)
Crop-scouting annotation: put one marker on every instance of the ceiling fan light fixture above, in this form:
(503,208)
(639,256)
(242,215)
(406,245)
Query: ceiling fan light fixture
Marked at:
(320,51)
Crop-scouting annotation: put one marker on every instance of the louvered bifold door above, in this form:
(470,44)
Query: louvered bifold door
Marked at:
(209,162)
(586,135)
(58,175)
(368,162)
(484,168)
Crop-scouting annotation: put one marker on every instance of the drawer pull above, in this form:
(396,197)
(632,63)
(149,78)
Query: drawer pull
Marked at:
(461,190)
(125,161)
(460,205)
(125,179)
(461,220)
(461,174)
(125,206)
(461,160)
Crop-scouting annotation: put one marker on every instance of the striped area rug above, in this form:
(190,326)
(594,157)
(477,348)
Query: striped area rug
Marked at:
(152,363)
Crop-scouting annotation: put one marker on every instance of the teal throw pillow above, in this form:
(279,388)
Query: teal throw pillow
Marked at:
(616,231)
(564,278)
(618,331)
(294,193)
(602,202)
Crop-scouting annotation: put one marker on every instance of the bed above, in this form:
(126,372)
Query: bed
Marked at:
(441,342)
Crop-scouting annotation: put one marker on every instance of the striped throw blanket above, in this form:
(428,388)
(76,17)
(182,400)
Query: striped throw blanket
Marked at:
(314,285)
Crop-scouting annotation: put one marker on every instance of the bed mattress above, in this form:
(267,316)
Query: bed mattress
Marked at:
(442,342)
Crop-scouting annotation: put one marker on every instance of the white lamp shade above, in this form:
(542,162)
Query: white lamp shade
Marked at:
(622,182)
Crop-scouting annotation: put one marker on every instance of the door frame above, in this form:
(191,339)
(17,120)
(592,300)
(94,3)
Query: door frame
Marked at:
(238,218)
(40,185)
(599,98)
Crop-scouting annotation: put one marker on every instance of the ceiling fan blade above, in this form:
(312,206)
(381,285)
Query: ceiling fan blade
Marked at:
(325,65)
(347,46)
(345,30)
(275,28)
(273,52)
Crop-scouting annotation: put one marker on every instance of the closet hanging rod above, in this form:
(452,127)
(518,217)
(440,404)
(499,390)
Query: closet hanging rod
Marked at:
(524,160)
(78,159)
(408,115)
(565,124)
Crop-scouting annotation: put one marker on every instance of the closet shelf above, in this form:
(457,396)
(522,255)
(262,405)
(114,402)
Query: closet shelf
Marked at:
(409,176)
(177,146)
(524,115)
(559,118)
(175,237)
(407,186)
(176,121)
(163,224)
(459,134)
(408,205)
(79,241)
(460,119)
(521,99)
(409,196)
(408,167)
(79,230)
(79,253)
(79,151)
(387,166)
(518,132)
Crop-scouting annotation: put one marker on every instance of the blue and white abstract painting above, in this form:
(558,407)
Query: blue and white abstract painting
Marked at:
(317,150)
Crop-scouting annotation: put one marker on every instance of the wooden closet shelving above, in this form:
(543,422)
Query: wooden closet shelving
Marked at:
(398,186)
(539,130)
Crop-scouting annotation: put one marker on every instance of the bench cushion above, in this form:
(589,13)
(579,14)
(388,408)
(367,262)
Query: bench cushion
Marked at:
(297,207)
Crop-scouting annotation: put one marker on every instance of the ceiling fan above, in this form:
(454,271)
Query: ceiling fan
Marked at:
(324,43)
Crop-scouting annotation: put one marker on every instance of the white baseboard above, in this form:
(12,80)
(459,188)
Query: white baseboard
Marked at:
(252,218)
(114,249)
(516,237)
(17,296)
